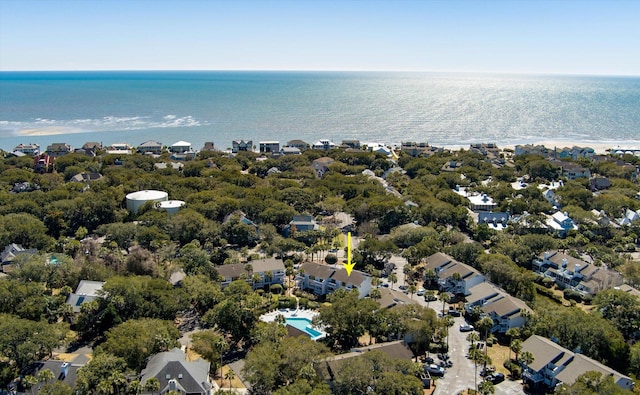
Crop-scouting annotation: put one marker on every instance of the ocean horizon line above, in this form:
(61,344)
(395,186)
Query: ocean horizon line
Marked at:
(390,71)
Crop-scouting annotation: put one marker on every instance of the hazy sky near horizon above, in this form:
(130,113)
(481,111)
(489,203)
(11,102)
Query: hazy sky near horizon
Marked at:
(527,36)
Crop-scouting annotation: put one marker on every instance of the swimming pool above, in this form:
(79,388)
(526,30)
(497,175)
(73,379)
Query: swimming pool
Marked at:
(304,324)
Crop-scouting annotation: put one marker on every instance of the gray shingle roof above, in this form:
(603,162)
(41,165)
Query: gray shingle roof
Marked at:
(192,376)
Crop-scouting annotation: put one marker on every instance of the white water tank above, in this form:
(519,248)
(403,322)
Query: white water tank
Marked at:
(170,206)
(135,200)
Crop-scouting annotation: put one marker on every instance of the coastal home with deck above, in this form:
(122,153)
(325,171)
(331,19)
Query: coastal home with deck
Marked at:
(241,146)
(151,147)
(28,149)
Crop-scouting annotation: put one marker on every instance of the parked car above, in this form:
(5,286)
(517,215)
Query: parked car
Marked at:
(495,378)
(466,328)
(428,360)
(487,371)
(430,298)
(421,292)
(434,370)
(454,313)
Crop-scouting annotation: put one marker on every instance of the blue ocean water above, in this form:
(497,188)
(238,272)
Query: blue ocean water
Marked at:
(219,106)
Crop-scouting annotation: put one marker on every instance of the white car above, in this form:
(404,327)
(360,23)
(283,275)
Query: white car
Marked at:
(466,328)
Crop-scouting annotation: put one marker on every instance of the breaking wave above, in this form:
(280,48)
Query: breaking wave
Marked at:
(45,127)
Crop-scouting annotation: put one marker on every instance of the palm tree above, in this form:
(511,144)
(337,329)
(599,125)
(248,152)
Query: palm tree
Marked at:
(429,295)
(29,381)
(473,338)
(486,388)
(152,385)
(526,358)
(45,375)
(445,297)
(516,347)
(393,278)
(430,275)
(268,277)
(484,325)
(513,333)
(375,294)
(255,279)
(407,272)
(230,375)
(448,321)
(412,289)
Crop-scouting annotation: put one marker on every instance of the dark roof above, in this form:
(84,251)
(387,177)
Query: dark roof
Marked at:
(339,273)
(390,298)
(192,376)
(13,250)
(437,260)
(394,350)
(56,367)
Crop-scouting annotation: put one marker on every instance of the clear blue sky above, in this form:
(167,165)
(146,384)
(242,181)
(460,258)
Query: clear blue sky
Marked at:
(567,37)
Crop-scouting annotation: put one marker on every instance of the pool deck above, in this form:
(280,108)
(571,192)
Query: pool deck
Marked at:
(288,313)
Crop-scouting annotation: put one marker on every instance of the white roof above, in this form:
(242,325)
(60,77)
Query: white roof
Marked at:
(181,144)
(171,204)
(147,195)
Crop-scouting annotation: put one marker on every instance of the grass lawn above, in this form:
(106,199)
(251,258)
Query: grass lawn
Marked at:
(498,355)
(235,383)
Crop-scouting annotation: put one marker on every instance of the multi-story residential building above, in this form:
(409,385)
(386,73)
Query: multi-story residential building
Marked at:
(506,313)
(324,279)
(299,144)
(241,146)
(355,144)
(271,271)
(150,147)
(453,276)
(553,364)
(570,272)
(268,147)
(323,144)
(560,223)
(59,149)
(28,149)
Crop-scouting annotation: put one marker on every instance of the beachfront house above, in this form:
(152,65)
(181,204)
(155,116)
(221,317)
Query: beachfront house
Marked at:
(299,144)
(28,149)
(323,144)
(323,279)
(151,147)
(59,149)
(241,146)
(553,365)
(268,147)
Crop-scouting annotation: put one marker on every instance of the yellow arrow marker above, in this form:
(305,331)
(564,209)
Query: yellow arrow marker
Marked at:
(349,266)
